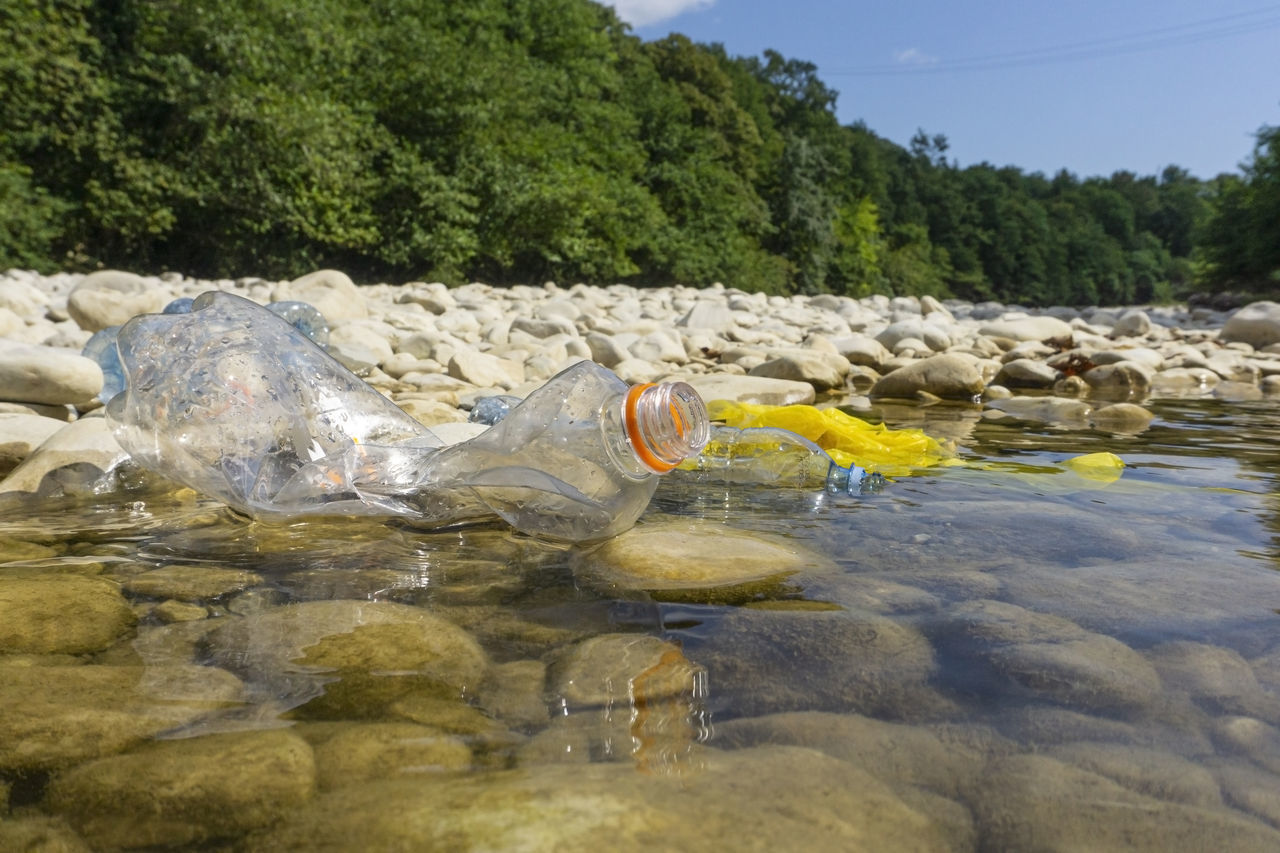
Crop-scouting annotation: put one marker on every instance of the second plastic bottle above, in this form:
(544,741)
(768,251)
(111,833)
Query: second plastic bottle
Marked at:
(236,403)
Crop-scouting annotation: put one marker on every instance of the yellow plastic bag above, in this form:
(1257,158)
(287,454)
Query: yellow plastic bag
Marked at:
(848,440)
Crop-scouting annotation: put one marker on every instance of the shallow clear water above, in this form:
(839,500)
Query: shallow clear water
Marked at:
(1001,655)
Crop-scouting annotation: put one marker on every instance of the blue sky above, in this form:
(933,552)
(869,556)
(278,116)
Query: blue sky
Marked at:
(1093,86)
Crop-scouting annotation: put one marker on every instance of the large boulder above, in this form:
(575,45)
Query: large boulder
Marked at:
(1257,324)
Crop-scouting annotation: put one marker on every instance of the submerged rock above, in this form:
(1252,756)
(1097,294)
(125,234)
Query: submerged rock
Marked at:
(56,716)
(769,798)
(1034,802)
(65,613)
(765,661)
(186,791)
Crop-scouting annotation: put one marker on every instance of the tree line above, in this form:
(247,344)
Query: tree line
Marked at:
(524,140)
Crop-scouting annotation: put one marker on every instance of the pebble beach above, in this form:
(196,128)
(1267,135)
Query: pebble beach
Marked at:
(975,662)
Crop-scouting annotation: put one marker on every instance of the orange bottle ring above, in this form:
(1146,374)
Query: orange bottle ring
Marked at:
(638,442)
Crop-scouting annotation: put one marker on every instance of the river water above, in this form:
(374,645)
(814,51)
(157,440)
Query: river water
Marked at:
(998,655)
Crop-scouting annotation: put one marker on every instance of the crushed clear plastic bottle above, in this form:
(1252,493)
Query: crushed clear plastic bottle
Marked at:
(238,404)
(774,457)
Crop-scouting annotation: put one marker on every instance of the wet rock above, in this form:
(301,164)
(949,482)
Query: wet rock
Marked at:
(61,614)
(1121,380)
(862,350)
(186,791)
(900,755)
(767,661)
(331,292)
(76,456)
(1034,802)
(515,693)
(1257,324)
(31,373)
(56,716)
(350,658)
(362,753)
(20,435)
(874,594)
(110,297)
(614,668)
(1215,676)
(734,801)
(698,555)
(191,583)
(40,835)
(179,611)
(1155,773)
(1053,410)
(1121,418)
(949,376)
(1249,738)
(1026,373)
(1251,790)
(1049,656)
(1039,726)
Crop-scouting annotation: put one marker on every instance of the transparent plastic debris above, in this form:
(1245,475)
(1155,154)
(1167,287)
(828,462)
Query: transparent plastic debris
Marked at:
(774,457)
(490,410)
(236,403)
(304,317)
(101,348)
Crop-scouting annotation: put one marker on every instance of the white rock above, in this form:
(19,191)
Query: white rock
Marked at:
(330,292)
(111,297)
(751,389)
(934,337)
(1026,373)
(1257,324)
(87,441)
(434,297)
(40,374)
(660,346)
(485,370)
(23,299)
(20,435)
(1026,328)
(823,371)
(1133,323)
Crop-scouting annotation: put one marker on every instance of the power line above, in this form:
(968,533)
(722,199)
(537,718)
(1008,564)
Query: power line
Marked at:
(1206,29)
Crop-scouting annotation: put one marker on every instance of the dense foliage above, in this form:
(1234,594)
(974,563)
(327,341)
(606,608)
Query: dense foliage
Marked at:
(517,140)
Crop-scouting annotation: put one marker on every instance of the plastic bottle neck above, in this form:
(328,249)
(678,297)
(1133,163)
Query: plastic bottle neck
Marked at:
(665,424)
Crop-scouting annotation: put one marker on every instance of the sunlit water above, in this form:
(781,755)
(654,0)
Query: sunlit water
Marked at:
(1011,655)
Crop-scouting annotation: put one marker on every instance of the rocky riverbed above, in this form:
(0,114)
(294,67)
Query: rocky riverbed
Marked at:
(973,660)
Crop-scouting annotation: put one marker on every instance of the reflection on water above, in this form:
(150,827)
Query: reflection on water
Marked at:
(1001,655)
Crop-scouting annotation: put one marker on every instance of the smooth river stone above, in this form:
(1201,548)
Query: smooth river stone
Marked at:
(21,434)
(30,373)
(695,554)
(191,583)
(350,658)
(57,716)
(769,798)
(111,297)
(750,389)
(1050,656)
(181,792)
(1026,328)
(606,670)
(1153,772)
(1257,324)
(1034,802)
(949,376)
(61,614)
(764,661)
(824,371)
(895,753)
(331,292)
(361,753)
(87,442)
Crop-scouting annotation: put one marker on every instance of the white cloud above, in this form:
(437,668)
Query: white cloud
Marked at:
(914,56)
(641,13)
